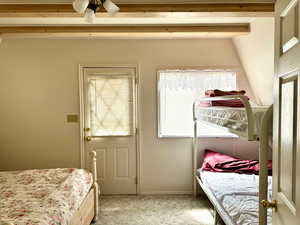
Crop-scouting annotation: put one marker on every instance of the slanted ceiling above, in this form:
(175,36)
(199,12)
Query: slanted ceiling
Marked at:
(256,52)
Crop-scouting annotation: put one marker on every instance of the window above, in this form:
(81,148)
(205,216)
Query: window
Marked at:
(111,105)
(177,91)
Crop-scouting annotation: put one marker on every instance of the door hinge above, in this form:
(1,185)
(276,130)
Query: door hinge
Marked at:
(136,80)
(136,131)
(136,180)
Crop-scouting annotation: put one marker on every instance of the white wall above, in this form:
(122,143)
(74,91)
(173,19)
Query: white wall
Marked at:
(256,52)
(39,86)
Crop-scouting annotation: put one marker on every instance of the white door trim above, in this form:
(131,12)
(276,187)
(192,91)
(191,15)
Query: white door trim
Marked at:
(138,116)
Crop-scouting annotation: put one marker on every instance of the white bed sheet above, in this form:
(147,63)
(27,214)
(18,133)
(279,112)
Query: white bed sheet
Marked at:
(237,195)
(231,118)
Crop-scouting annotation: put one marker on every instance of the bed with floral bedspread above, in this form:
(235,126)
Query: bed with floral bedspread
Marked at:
(42,197)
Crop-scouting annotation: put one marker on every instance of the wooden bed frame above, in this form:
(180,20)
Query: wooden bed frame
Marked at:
(89,209)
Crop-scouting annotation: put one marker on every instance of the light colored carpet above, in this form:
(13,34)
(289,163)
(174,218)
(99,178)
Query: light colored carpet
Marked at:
(155,210)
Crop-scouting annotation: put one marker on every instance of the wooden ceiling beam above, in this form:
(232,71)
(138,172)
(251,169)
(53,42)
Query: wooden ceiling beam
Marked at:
(199,7)
(56,10)
(215,28)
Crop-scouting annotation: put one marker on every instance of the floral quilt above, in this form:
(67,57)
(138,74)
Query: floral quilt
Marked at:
(42,197)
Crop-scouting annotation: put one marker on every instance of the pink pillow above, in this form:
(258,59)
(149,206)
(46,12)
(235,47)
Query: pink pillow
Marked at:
(219,162)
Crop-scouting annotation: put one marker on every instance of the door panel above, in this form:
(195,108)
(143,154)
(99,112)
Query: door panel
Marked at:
(122,162)
(286,190)
(289,26)
(101,162)
(110,126)
(286,110)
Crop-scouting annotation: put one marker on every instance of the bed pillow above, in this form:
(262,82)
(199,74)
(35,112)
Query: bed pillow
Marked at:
(219,162)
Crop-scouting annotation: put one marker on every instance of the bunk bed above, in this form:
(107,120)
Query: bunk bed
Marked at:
(235,207)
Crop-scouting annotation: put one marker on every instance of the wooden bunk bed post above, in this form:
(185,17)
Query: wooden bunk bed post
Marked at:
(263,162)
(95,185)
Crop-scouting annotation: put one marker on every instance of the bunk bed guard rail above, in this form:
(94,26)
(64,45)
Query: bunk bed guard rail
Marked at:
(251,136)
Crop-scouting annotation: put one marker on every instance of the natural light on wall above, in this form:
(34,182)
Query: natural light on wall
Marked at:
(177,91)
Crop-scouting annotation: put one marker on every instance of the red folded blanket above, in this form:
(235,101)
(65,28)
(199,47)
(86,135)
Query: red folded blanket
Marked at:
(226,103)
(216,92)
(218,162)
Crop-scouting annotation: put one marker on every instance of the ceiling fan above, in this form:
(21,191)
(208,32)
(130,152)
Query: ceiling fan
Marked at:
(90,7)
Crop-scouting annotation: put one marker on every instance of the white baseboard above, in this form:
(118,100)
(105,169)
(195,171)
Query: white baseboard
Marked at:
(166,192)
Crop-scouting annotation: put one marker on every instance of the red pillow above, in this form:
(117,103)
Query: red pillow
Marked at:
(219,162)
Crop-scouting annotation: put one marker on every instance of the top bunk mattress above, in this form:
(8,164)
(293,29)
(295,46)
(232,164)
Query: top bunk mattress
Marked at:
(237,196)
(42,197)
(231,119)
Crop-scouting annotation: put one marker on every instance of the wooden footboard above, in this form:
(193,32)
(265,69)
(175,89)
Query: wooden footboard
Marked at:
(88,211)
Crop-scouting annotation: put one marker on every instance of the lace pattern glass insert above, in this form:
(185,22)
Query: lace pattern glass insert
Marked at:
(111,105)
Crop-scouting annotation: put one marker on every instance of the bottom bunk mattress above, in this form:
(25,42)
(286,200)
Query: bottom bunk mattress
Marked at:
(42,197)
(236,196)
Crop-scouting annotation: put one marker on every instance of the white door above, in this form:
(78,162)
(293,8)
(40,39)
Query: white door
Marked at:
(286,153)
(109,99)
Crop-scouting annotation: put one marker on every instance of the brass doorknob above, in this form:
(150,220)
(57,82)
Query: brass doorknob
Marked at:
(267,204)
(88,138)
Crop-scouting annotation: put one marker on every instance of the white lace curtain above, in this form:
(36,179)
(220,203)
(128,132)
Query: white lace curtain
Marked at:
(197,80)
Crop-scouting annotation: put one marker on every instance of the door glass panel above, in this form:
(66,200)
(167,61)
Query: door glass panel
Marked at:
(111,105)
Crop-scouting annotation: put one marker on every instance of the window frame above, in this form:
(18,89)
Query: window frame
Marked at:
(158,103)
